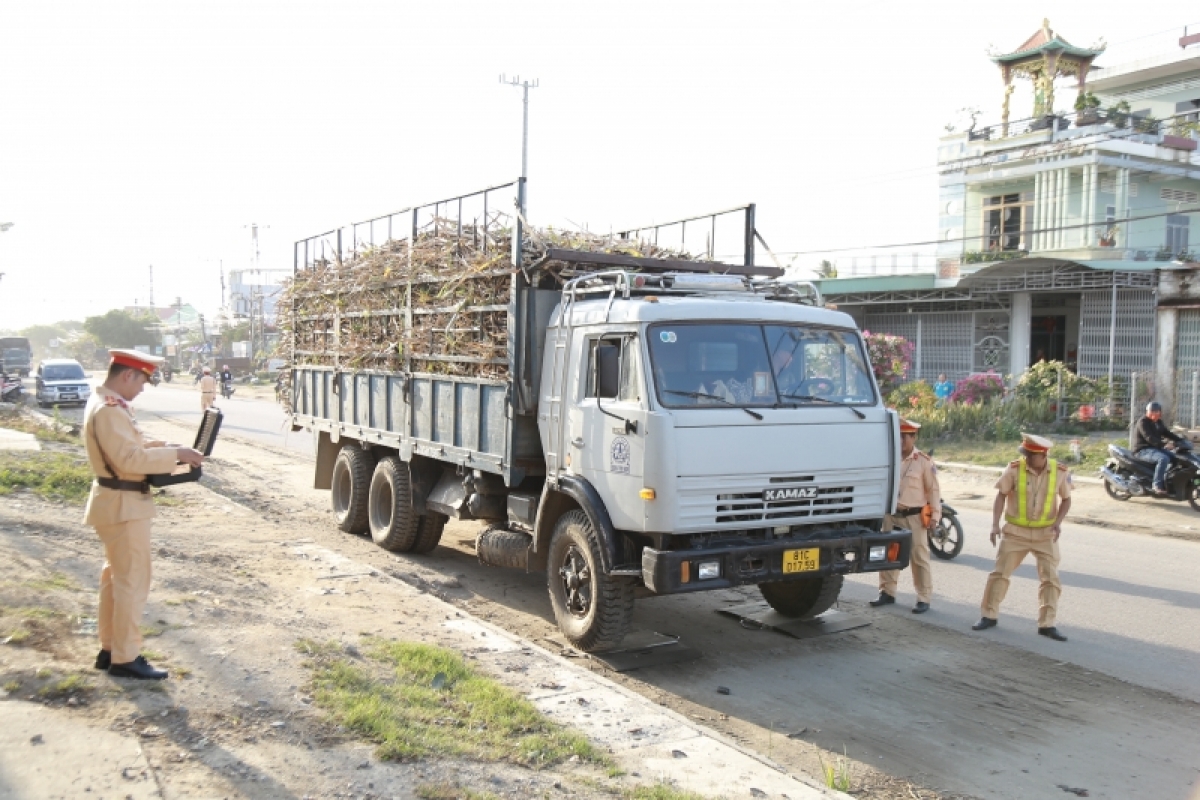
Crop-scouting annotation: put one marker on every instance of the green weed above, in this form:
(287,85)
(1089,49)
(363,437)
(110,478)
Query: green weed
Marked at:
(18,636)
(450,791)
(837,775)
(12,686)
(56,581)
(71,684)
(661,791)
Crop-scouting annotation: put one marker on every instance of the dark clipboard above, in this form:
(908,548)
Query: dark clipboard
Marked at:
(206,438)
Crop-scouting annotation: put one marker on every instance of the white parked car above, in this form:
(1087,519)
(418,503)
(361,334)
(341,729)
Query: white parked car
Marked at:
(61,381)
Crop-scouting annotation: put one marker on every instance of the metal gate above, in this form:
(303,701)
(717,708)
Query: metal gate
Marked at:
(1187,368)
(1116,336)
(990,342)
(941,340)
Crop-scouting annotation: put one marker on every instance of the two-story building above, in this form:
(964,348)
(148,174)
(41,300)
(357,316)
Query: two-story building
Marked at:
(1058,230)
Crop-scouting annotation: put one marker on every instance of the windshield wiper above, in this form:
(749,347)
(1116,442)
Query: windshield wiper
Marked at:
(718,398)
(814,399)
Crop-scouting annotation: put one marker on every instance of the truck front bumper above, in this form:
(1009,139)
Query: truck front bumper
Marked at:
(678,571)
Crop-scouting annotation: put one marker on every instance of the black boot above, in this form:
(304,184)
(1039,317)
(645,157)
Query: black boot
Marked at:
(884,599)
(103,659)
(1053,633)
(138,668)
(984,623)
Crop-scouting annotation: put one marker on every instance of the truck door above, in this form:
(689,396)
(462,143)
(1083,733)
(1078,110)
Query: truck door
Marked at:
(612,417)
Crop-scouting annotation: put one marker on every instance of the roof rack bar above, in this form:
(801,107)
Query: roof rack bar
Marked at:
(659,264)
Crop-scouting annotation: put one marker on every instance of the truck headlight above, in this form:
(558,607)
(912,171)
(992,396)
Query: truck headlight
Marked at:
(877,553)
(707,570)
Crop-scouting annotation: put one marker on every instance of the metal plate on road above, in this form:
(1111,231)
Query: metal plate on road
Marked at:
(764,616)
(638,649)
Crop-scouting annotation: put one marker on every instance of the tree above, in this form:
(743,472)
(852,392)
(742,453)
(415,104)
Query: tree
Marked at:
(119,328)
(40,335)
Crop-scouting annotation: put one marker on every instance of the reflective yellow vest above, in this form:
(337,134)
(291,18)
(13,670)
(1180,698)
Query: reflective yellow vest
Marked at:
(1047,516)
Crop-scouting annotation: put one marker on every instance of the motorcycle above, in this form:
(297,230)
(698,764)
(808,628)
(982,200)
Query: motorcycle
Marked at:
(227,389)
(11,389)
(167,373)
(946,539)
(1126,476)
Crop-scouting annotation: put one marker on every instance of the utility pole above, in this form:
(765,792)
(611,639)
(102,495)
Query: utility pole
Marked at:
(151,287)
(525,87)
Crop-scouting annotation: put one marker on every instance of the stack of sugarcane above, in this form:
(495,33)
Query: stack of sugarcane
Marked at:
(438,305)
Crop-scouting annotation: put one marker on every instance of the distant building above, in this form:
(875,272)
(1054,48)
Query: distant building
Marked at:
(1064,235)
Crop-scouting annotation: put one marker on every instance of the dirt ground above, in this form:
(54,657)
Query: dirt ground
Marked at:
(237,584)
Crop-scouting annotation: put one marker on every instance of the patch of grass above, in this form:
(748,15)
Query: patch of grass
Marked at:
(149,631)
(43,673)
(30,612)
(62,431)
(71,684)
(661,791)
(56,581)
(422,701)
(837,775)
(55,476)
(179,601)
(181,672)
(12,686)
(154,655)
(450,791)
(1094,452)
(167,500)
(18,636)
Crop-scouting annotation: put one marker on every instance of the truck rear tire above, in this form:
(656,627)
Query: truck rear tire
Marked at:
(429,532)
(393,523)
(499,547)
(806,598)
(350,488)
(593,610)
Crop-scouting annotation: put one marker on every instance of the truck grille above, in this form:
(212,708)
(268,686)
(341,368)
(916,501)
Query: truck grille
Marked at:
(738,501)
(751,507)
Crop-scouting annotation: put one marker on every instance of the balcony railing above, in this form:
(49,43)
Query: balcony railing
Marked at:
(1184,126)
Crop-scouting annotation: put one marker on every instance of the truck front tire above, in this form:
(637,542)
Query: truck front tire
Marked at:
(806,598)
(350,490)
(593,610)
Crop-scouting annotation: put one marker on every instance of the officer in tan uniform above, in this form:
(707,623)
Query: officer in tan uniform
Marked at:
(1034,494)
(919,491)
(120,508)
(208,389)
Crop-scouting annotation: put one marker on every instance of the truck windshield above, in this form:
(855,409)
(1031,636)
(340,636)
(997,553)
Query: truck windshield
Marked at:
(772,365)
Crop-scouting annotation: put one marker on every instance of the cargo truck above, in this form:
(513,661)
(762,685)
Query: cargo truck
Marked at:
(623,424)
(16,354)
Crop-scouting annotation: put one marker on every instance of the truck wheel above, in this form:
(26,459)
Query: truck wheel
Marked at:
(393,523)
(806,598)
(429,532)
(351,484)
(592,609)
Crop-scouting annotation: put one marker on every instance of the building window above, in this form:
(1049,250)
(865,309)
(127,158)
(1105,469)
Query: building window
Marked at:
(1006,221)
(1177,233)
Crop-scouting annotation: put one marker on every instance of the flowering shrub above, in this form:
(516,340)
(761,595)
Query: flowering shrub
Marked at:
(978,388)
(891,356)
(1041,382)
(913,397)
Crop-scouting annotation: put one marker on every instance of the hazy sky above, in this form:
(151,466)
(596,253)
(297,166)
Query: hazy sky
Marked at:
(138,134)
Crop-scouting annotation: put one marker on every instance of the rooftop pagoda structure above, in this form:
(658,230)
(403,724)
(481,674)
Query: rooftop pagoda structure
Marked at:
(1042,58)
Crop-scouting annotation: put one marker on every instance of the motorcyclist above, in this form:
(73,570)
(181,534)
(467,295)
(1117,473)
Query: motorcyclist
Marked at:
(226,379)
(226,374)
(1151,439)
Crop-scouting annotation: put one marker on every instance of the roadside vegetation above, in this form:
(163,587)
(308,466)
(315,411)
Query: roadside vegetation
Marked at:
(420,701)
(51,475)
(59,430)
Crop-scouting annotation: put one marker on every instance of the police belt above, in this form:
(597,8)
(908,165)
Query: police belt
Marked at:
(907,512)
(124,486)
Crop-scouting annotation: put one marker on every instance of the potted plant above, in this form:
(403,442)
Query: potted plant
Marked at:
(1118,114)
(1108,238)
(1164,254)
(1087,109)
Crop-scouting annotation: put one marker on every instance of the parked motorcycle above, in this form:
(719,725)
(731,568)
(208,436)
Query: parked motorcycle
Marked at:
(1127,476)
(946,539)
(11,389)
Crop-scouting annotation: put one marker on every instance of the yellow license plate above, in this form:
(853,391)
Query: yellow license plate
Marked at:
(806,560)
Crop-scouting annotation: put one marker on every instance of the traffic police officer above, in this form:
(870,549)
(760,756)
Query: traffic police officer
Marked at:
(120,508)
(208,389)
(1034,494)
(918,509)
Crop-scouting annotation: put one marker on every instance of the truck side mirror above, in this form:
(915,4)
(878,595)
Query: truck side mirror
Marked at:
(608,370)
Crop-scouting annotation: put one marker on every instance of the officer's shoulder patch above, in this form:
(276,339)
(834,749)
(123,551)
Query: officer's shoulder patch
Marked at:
(1015,464)
(112,401)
